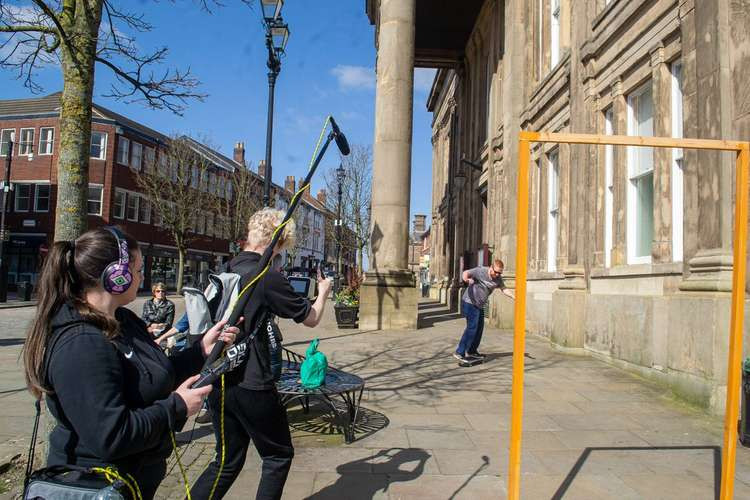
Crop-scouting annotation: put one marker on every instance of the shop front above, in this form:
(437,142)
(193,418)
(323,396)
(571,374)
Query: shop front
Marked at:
(25,254)
(162,265)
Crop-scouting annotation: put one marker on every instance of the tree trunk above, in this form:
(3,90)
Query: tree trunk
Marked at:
(181,266)
(77,62)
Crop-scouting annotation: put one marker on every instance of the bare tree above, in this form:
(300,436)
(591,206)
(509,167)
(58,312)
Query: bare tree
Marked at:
(356,197)
(77,35)
(235,211)
(180,193)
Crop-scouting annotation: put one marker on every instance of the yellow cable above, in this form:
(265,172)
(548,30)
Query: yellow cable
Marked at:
(179,462)
(221,433)
(111,474)
(320,140)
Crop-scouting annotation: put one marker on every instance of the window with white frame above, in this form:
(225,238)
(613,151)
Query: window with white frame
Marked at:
(46,140)
(554,48)
(677,165)
(119,209)
(163,164)
(553,184)
(641,177)
(6,136)
(26,144)
(22,197)
(98,145)
(41,198)
(133,207)
(136,156)
(149,159)
(145,211)
(609,186)
(157,216)
(123,151)
(95,199)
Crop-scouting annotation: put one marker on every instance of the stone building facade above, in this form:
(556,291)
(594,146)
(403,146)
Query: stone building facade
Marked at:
(630,249)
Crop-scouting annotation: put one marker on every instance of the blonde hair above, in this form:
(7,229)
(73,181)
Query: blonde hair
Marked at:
(158,284)
(264,222)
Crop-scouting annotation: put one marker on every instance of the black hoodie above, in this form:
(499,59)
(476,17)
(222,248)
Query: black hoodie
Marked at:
(273,294)
(113,400)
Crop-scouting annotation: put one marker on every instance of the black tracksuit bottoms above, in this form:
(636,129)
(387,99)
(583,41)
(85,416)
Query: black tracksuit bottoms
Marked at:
(256,415)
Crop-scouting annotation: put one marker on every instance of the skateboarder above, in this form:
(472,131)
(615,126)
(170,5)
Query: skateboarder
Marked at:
(482,281)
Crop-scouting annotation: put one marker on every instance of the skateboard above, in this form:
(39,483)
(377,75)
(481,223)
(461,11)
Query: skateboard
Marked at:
(469,363)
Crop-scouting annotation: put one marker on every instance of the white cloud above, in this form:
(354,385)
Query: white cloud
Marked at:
(423,78)
(354,77)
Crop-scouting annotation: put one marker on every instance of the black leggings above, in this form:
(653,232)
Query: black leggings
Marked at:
(256,415)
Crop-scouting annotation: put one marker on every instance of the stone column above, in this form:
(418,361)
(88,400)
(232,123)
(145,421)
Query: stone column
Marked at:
(708,92)
(620,177)
(388,293)
(661,77)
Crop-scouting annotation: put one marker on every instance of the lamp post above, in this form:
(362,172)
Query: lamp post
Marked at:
(3,236)
(277,35)
(340,176)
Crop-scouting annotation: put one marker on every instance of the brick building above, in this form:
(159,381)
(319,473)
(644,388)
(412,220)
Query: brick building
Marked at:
(118,146)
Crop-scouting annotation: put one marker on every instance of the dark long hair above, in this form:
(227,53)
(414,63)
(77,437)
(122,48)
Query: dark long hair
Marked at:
(70,269)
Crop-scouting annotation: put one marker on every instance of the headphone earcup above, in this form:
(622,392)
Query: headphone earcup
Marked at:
(116,278)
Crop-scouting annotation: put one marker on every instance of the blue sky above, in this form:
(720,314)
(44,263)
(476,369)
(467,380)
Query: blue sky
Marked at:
(328,69)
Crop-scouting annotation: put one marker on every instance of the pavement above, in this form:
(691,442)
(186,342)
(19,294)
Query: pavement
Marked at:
(431,429)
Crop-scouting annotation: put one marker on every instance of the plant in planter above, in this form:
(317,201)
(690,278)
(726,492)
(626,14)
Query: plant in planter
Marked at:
(347,303)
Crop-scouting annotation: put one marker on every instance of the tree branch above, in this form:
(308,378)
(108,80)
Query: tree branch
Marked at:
(27,28)
(171,91)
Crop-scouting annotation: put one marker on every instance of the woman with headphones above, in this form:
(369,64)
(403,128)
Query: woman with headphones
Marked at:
(114,394)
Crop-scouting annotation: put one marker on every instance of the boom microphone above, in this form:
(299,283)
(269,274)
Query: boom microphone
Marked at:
(341,141)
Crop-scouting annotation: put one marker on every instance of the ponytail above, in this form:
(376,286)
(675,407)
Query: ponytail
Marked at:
(56,286)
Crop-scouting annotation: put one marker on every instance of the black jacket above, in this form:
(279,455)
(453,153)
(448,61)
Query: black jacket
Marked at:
(113,401)
(274,294)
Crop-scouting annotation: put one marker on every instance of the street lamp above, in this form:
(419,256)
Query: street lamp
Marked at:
(340,176)
(277,35)
(3,233)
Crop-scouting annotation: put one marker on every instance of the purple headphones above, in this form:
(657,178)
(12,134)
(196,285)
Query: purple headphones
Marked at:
(116,277)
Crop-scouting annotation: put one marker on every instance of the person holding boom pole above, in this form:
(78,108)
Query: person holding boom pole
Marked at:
(248,404)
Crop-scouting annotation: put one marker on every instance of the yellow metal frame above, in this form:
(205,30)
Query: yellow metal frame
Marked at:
(742,149)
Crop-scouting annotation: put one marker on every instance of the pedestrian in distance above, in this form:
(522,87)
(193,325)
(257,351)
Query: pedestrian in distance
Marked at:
(158,312)
(252,406)
(482,282)
(114,395)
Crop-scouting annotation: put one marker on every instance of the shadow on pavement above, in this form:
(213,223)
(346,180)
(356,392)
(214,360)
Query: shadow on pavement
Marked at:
(568,481)
(307,341)
(386,467)
(319,420)
(485,463)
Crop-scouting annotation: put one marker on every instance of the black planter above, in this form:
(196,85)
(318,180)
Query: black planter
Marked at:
(347,316)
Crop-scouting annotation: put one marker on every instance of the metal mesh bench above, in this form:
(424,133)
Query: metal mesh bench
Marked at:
(339,384)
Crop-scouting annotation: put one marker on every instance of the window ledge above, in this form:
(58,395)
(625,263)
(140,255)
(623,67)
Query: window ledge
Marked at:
(661,269)
(544,275)
(604,14)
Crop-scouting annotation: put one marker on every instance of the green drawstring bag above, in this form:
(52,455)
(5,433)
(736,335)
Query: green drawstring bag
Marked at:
(314,367)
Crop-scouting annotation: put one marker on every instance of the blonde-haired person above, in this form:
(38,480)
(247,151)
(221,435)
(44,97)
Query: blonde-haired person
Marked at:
(252,408)
(158,312)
